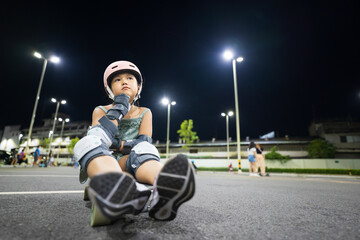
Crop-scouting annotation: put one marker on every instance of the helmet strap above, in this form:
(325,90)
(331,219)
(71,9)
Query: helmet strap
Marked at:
(111,95)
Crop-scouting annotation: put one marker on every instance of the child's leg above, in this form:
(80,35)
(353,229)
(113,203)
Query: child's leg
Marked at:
(255,170)
(111,191)
(262,165)
(101,165)
(148,171)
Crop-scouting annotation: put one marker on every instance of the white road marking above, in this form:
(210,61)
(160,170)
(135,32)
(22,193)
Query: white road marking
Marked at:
(41,192)
(39,176)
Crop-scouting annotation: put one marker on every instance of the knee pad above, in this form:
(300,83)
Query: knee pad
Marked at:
(142,152)
(106,130)
(88,148)
(129,144)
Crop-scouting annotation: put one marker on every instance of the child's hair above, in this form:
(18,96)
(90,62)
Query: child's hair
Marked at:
(252,145)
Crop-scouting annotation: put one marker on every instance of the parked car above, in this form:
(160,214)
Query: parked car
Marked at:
(5,157)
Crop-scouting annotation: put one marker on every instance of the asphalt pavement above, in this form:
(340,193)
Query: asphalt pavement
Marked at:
(46,203)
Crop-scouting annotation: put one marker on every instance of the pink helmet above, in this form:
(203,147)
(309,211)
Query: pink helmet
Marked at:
(118,67)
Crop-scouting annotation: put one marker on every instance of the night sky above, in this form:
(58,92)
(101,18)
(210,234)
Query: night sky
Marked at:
(301,61)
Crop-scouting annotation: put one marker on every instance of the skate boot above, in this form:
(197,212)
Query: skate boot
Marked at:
(113,195)
(174,185)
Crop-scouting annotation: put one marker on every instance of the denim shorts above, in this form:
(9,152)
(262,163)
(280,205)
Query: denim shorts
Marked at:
(251,158)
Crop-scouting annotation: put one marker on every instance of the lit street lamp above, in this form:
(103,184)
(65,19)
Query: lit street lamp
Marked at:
(61,133)
(229,55)
(165,101)
(55,118)
(51,59)
(227,132)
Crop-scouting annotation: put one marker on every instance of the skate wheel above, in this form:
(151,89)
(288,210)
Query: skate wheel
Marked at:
(86,196)
(97,218)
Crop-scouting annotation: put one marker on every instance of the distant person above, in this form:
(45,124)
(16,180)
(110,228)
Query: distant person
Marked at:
(260,157)
(36,155)
(51,159)
(22,157)
(230,168)
(14,155)
(253,169)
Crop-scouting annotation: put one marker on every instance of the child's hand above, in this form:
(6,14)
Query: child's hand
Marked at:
(121,108)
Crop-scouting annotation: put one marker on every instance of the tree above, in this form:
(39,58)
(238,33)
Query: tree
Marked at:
(72,143)
(186,134)
(45,143)
(320,148)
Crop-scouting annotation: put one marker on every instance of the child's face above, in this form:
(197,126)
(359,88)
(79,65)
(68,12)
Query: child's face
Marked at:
(125,83)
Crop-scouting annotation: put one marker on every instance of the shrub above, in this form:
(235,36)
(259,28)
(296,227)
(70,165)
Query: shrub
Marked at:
(273,155)
(320,148)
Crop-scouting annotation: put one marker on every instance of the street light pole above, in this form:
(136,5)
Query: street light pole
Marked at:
(61,133)
(227,132)
(165,101)
(54,60)
(168,132)
(36,104)
(237,116)
(228,55)
(227,137)
(55,118)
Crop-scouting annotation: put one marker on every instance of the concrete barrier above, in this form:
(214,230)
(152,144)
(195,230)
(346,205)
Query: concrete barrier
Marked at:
(293,163)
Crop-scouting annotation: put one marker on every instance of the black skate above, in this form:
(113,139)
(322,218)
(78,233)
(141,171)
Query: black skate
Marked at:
(115,194)
(174,185)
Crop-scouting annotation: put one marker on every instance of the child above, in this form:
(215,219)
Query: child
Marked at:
(127,129)
(260,158)
(253,169)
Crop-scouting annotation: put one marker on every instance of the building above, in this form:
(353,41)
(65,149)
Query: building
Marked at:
(16,137)
(344,135)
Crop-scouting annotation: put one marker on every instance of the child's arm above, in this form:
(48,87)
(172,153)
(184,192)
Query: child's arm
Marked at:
(145,129)
(97,114)
(146,124)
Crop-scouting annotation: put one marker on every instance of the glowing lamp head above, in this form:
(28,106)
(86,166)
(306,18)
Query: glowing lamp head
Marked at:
(165,101)
(54,59)
(228,55)
(38,55)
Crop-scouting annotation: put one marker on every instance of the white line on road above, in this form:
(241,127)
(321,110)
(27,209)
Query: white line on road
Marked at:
(39,176)
(41,192)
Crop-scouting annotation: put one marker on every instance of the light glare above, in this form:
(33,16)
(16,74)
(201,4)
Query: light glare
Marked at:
(165,101)
(223,114)
(173,103)
(230,113)
(38,55)
(53,100)
(54,59)
(63,101)
(240,59)
(228,55)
